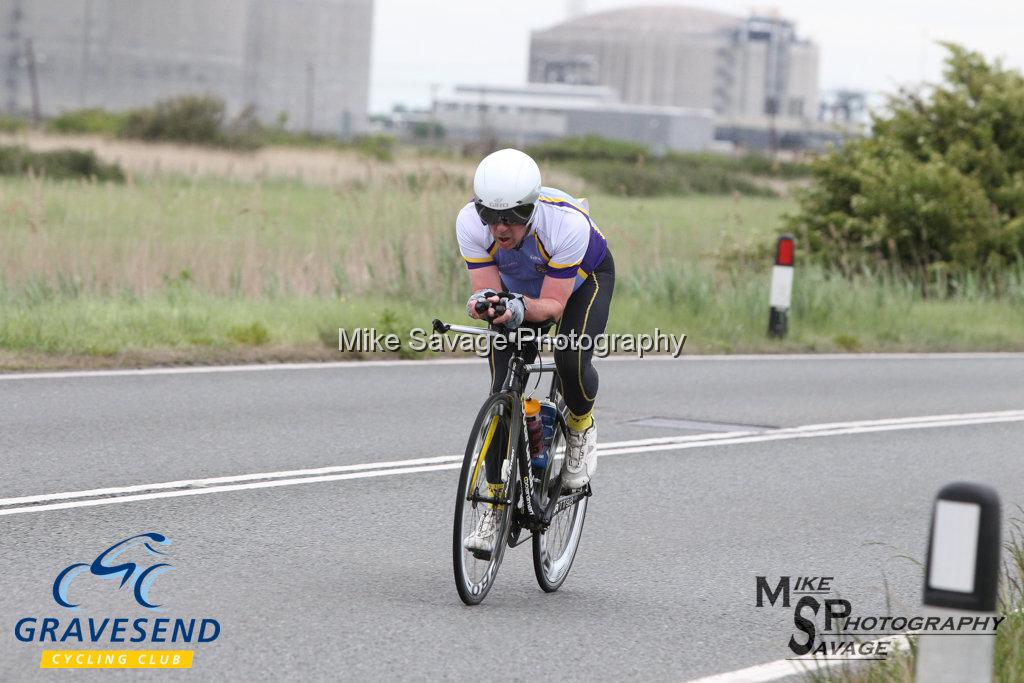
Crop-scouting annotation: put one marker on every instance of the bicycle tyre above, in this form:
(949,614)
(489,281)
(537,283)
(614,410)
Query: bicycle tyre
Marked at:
(472,581)
(553,560)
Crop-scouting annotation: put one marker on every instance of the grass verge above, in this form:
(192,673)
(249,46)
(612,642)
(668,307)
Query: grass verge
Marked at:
(180,323)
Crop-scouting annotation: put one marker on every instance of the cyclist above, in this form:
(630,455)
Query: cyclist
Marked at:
(541,244)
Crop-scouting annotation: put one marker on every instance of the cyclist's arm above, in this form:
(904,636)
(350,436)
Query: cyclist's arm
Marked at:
(549,306)
(553,295)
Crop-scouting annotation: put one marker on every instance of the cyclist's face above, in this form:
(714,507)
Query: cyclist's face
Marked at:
(507,235)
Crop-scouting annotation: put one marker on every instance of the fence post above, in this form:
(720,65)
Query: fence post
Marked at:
(961,580)
(782,287)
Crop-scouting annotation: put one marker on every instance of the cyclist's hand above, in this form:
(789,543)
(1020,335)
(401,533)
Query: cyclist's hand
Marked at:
(515,313)
(479,297)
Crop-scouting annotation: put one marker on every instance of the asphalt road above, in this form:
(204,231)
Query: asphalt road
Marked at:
(350,578)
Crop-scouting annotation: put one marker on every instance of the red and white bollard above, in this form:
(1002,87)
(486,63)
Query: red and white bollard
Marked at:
(782,287)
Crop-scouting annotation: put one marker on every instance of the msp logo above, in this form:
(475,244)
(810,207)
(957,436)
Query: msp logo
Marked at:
(134,563)
(140,581)
(829,627)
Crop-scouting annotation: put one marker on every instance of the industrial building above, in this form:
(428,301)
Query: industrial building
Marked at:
(754,73)
(532,113)
(306,60)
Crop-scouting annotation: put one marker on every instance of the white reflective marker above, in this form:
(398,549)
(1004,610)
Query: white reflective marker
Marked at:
(954,546)
(782,287)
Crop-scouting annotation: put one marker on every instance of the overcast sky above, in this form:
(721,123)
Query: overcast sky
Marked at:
(873,45)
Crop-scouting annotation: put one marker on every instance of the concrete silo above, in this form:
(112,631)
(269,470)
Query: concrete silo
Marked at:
(307,58)
(754,72)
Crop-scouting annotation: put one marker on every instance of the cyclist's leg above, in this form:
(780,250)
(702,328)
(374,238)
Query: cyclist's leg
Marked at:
(586,313)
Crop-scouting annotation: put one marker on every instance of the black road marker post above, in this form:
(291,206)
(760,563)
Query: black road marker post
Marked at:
(961,581)
(782,287)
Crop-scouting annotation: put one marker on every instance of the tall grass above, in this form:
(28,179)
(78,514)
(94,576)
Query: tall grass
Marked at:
(261,239)
(165,262)
(327,165)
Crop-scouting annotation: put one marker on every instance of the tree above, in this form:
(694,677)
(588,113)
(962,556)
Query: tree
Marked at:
(939,184)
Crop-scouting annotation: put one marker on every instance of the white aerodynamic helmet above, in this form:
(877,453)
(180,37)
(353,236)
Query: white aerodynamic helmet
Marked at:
(507,185)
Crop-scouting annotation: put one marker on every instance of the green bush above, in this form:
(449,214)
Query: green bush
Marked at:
(288,138)
(428,130)
(196,119)
(11,124)
(255,334)
(656,177)
(753,163)
(937,189)
(201,120)
(629,168)
(379,147)
(94,120)
(589,147)
(244,131)
(58,164)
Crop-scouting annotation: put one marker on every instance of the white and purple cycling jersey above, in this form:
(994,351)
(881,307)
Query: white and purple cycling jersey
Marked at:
(563,242)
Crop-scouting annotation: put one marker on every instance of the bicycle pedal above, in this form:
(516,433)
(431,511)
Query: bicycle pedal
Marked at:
(482,555)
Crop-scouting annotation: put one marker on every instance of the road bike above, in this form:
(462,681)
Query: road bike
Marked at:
(530,502)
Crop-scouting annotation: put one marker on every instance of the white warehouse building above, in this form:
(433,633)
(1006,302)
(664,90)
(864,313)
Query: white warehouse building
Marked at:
(307,59)
(532,113)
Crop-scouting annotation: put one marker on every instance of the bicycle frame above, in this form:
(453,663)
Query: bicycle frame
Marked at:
(537,517)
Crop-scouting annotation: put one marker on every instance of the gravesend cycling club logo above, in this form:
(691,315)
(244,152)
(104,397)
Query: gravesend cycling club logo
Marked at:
(131,567)
(138,579)
(827,626)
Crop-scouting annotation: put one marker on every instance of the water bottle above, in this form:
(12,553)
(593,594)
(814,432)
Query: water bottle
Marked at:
(533,428)
(548,411)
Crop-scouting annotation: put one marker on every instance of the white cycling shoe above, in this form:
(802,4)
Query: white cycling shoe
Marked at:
(580,458)
(481,539)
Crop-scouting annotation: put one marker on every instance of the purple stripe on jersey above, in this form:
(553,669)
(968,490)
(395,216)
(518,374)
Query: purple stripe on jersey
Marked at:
(474,266)
(563,273)
(596,251)
(597,248)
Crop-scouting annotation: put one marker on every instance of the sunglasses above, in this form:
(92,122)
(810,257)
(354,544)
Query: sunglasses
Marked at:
(517,215)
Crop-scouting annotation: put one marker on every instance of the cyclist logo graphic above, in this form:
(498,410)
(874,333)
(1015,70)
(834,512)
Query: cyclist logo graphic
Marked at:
(105,566)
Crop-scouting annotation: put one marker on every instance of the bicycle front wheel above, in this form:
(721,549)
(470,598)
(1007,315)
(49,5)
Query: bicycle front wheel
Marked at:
(489,472)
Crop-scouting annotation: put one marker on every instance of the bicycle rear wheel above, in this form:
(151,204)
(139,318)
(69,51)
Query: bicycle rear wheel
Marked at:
(494,431)
(555,549)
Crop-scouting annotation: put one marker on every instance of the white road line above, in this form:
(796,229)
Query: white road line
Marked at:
(337,365)
(224,489)
(195,487)
(212,481)
(286,474)
(782,435)
(609,448)
(784,668)
(210,369)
